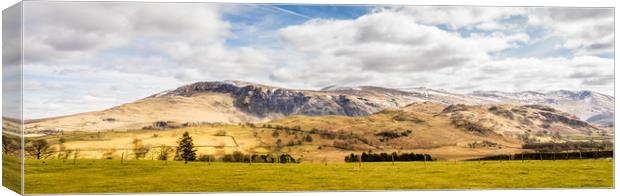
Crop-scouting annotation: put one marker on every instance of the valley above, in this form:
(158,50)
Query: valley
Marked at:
(311,126)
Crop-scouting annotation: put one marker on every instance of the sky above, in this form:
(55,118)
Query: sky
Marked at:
(85,56)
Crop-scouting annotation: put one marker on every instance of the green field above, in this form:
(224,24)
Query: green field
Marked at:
(11,172)
(109,176)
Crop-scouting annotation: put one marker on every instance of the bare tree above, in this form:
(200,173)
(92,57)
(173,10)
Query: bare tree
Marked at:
(39,149)
(139,149)
(164,153)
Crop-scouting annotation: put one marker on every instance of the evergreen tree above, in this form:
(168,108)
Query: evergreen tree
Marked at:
(185,150)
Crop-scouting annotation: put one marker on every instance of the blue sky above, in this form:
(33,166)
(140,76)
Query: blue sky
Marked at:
(127,51)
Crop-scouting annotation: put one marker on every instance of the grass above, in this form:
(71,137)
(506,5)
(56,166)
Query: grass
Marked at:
(11,173)
(109,176)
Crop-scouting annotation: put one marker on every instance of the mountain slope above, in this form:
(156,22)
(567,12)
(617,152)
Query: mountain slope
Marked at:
(267,101)
(583,104)
(206,107)
(528,123)
(240,102)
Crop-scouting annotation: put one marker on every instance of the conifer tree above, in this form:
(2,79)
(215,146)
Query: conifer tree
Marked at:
(185,150)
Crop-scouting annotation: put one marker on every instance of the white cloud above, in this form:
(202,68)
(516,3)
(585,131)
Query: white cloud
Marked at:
(385,41)
(133,35)
(586,30)
(139,48)
(390,48)
(90,56)
(392,41)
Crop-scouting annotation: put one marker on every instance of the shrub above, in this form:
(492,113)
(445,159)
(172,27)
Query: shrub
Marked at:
(308,138)
(275,133)
(471,127)
(343,145)
(206,158)
(388,134)
(220,133)
(279,143)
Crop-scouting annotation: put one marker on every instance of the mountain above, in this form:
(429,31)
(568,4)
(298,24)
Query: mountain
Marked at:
(529,123)
(241,102)
(229,102)
(587,105)
(268,102)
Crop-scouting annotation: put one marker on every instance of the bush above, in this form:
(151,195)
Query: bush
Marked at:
(206,158)
(387,135)
(220,133)
(275,133)
(279,143)
(308,138)
(343,145)
(265,158)
(471,127)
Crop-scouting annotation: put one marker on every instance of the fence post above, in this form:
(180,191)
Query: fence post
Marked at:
(392,159)
(122,156)
(360,161)
(75,155)
(522,160)
(540,155)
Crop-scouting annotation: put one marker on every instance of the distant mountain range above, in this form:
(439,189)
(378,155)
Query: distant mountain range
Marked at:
(240,102)
(590,106)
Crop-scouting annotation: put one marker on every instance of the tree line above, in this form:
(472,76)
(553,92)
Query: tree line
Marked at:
(385,157)
(568,146)
(550,156)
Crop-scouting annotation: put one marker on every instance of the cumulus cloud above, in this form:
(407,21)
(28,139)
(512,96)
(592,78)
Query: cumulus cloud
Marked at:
(587,30)
(90,56)
(389,41)
(403,47)
(135,37)
(456,17)
(133,45)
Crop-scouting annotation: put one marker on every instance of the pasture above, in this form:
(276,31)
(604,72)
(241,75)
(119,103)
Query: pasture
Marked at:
(110,176)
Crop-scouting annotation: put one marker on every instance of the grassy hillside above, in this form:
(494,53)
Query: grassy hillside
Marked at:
(455,132)
(314,139)
(206,107)
(109,176)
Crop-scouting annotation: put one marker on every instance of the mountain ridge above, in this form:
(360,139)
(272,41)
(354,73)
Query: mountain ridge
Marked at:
(241,102)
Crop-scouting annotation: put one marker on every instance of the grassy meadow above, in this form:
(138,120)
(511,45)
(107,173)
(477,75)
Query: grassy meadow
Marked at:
(110,176)
(11,172)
